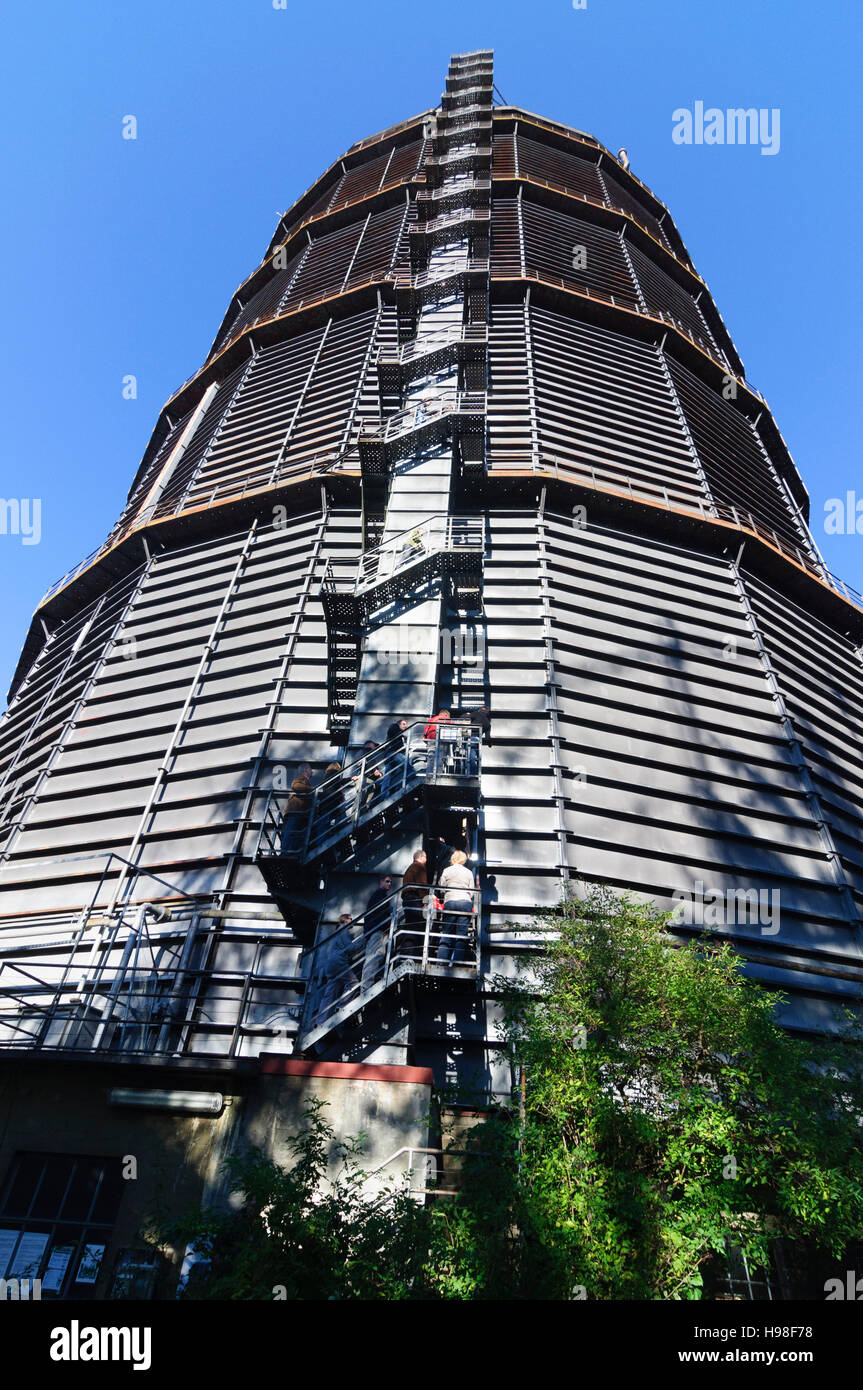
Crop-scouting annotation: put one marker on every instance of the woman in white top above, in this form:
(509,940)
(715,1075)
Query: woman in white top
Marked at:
(458,884)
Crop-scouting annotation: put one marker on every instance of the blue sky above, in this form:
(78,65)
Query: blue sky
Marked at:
(119,257)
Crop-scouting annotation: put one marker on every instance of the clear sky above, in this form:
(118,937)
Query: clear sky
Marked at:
(119,256)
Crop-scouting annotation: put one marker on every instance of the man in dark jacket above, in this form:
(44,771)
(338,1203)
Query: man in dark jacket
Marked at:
(396,764)
(414,890)
(375,930)
(442,853)
(481,717)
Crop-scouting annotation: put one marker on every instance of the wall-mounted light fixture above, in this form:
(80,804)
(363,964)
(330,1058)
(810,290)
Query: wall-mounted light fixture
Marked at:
(193,1102)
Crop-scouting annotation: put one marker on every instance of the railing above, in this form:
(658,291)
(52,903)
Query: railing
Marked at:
(377,781)
(450,219)
(390,130)
(141,978)
(429,1183)
(469,185)
(482,124)
(422,929)
(211,1014)
(442,533)
(462,334)
(460,113)
(478,265)
(221,492)
(608,206)
(632,307)
(741,519)
(481,89)
(580,135)
(424,413)
(73,573)
(293,307)
(460,155)
(294,229)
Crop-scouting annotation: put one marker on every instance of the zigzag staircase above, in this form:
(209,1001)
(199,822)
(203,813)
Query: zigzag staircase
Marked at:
(411,460)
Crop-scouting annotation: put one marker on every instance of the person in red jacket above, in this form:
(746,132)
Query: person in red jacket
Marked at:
(441,737)
(430,730)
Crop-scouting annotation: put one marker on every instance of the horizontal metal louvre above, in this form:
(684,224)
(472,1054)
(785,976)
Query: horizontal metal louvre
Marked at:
(322,425)
(603,404)
(559,168)
(378,246)
(620,197)
(503,156)
(250,442)
(178,483)
(553,242)
(737,471)
(662,294)
(505,237)
(821,678)
(139,696)
(404,164)
(325,269)
(509,405)
(151,465)
(264,304)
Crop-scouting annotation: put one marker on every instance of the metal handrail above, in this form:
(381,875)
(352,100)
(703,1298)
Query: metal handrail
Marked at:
(418,935)
(715,511)
(423,413)
(459,155)
(471,264)
(427,195)
(709,350)
(354,283)
(483,123)
(465,334)
(361,790)
(442,532)
(450,219)
(143,992)
(454,113)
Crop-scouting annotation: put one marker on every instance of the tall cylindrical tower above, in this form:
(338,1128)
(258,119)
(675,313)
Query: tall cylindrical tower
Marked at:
(472,437)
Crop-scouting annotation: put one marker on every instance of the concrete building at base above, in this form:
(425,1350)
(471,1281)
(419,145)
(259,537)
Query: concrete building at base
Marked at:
(473,436)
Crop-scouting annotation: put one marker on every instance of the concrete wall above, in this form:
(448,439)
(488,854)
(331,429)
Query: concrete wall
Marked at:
(55,1108)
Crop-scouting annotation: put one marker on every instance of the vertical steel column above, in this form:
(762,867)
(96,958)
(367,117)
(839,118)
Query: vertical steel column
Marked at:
(557,764)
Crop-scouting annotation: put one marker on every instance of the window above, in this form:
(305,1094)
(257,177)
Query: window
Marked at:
(56,1216)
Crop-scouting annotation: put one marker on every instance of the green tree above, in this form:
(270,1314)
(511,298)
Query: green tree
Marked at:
(296,1234)
(664,1112)
(661,1112)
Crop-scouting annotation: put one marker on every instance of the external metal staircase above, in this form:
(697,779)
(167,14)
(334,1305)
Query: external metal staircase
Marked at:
(352,802)
(391,943)
(464,347)
(441,546)
(408,432)
(424,554)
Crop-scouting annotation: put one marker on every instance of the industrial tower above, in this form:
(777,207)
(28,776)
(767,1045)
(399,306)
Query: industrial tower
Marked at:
(473,433)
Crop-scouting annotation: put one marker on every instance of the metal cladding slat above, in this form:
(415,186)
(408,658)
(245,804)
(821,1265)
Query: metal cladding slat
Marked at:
(617,416)
(737,469)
